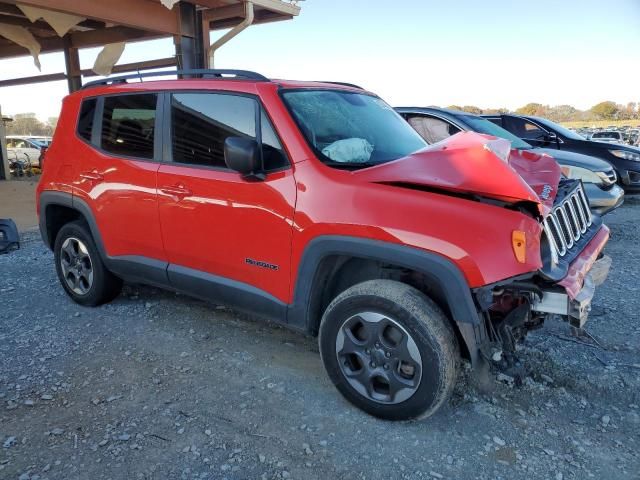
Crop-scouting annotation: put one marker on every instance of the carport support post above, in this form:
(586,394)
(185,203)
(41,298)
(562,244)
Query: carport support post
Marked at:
(4,159)
(72,65)
(188,44)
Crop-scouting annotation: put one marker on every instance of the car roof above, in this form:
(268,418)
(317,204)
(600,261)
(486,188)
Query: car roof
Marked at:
(432,110)
(213,84)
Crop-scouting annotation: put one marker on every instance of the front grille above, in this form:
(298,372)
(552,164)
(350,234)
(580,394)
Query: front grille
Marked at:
(611,175)
(568,221)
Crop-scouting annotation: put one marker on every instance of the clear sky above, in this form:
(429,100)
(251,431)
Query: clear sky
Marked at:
(488,53)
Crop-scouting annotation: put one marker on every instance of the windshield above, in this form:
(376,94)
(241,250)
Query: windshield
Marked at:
(351,129)
(482,125)
(565,132)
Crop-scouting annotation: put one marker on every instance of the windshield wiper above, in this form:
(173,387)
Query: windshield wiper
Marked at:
(352,164)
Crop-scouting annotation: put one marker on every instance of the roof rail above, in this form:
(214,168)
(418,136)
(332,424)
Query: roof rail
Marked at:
(201,73)
(344,84)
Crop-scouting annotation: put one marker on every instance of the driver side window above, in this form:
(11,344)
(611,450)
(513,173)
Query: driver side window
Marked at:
(524,128)
(432,129)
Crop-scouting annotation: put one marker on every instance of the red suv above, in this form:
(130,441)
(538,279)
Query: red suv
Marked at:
(316,205)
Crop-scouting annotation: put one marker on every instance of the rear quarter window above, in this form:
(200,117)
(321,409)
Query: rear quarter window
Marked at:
(85,119)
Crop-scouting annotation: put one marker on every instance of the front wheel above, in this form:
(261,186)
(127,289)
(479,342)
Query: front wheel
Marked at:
(389,350)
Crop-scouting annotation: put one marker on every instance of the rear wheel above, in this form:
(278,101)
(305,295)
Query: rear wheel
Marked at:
(389,350)
(80,269)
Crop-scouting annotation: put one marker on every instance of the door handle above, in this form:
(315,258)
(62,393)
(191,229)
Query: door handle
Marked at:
(93,175)
(179,191)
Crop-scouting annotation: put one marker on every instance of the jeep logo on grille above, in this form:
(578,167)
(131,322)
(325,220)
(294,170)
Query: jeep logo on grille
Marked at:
(546,191)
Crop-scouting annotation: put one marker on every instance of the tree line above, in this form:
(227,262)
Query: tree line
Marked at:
(566,113)
(28,124)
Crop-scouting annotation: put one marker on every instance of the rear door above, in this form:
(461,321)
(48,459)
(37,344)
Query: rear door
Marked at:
(220,230)
(116,171)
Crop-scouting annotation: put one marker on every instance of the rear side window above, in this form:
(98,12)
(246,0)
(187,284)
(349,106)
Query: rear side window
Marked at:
(202,121)
(128,123)
(85,120)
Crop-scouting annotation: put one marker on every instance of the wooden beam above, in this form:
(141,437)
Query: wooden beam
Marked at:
(72,65)
(141,14)
(87,39)
(127,67)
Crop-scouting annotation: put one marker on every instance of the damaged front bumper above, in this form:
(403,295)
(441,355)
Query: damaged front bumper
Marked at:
(588,270)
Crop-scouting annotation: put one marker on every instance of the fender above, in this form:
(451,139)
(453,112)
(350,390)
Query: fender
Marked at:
(436,268)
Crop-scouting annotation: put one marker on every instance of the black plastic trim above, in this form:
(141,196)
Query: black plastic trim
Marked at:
(215,74)
(436,268)
(51,198)
(241,296)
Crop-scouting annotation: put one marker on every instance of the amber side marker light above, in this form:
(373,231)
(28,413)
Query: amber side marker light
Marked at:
(519,244)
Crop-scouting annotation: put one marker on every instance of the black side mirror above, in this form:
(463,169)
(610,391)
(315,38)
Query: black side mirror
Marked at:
(551,137)
(243,155)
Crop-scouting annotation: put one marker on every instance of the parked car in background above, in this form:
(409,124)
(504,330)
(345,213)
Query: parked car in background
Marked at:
(598,177)
(541,132)
(401,257)
(607,136)
(29,148)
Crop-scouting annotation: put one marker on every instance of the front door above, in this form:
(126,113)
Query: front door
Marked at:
(223,232)
(530,132)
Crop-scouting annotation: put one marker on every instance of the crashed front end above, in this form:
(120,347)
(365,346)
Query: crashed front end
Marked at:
(573,264)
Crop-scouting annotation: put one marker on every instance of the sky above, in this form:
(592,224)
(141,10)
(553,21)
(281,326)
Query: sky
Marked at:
(488,53)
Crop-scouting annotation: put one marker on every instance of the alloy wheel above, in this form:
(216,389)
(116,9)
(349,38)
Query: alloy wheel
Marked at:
(77,268)
(378,357)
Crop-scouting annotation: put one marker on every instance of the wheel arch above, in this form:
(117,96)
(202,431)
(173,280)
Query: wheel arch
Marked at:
(58,208)
(331,264)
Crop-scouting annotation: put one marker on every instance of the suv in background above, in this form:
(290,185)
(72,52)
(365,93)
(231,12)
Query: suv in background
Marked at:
(607,136)
(597,176)
(316,205)
(541,132)
(27,148)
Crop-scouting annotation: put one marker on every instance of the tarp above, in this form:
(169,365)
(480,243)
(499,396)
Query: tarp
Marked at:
(22,37)
(107,58)
(60,22)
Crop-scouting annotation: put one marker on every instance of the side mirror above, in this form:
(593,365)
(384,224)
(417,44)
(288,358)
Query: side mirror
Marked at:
(551,137)
(243,155)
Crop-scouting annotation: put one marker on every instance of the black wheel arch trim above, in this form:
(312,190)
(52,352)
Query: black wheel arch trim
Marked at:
(435,267)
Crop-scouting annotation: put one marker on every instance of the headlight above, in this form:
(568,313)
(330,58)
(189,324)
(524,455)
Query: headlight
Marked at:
(587,176)
(626,155)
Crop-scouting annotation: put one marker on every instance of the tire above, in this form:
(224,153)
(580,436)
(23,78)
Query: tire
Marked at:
(389,350)
(83,276)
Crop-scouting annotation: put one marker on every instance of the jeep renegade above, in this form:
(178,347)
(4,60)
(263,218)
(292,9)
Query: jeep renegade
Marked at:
(316,205)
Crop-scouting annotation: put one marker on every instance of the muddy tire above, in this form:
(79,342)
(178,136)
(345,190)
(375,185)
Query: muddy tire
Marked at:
(389,349)
(80,269)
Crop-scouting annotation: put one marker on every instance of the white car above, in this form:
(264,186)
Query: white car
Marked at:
(607,136)
(26,148)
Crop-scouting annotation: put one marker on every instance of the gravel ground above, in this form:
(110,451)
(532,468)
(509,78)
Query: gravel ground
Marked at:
(160,386)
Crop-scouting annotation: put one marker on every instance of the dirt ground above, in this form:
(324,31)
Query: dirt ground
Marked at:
(18,201)
(160,386)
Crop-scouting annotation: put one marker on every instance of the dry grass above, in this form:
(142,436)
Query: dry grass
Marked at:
(601,123)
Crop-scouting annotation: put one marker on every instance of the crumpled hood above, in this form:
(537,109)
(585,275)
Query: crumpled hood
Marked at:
(470,162)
